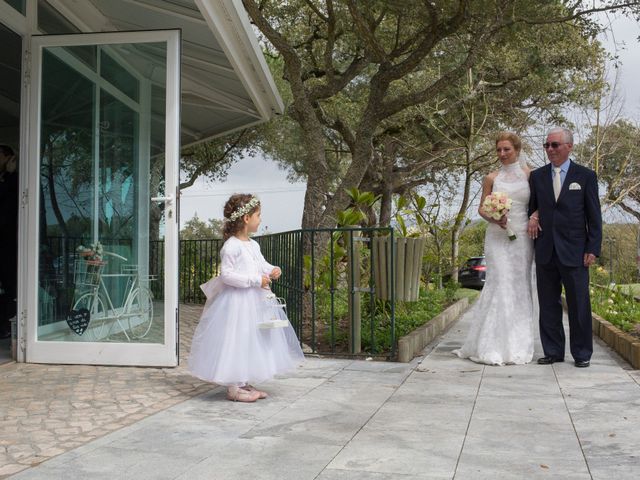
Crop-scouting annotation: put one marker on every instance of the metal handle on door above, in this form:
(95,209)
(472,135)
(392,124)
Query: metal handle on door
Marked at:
(168,198)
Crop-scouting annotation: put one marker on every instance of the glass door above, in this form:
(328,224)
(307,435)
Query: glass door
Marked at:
(102,199)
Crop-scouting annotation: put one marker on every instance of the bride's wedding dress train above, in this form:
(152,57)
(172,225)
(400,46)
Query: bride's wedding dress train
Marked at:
(503,316)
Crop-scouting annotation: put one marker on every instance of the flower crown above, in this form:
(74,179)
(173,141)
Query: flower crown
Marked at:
(245,209)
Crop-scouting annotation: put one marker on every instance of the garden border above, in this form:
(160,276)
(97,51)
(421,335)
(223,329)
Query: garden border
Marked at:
(413,343)
(626,345)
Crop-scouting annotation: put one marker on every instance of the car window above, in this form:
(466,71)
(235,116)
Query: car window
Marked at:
(474,262)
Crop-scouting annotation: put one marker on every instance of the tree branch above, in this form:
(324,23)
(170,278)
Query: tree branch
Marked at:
(205,166)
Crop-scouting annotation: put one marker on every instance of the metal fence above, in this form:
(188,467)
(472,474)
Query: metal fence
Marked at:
(329,281)
(336,283)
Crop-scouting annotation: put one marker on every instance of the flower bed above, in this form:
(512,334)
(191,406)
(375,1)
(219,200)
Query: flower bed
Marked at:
(616,320)
(625,344)
(619,307)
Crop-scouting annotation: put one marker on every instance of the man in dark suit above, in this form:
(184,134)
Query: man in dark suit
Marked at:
(566,223)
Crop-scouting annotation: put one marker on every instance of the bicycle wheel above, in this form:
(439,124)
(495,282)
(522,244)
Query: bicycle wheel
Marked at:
(95,305)
(139,312)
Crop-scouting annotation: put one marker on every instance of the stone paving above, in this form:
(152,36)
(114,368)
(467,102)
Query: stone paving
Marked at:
(437,417)
(46,410)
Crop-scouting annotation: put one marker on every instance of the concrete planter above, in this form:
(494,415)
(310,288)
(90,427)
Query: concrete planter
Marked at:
(627,346)
(413,343)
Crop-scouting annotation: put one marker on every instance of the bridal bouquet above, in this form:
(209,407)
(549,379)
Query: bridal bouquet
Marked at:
(497,205)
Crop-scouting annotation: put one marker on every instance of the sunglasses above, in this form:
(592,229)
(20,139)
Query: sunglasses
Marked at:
(548,145)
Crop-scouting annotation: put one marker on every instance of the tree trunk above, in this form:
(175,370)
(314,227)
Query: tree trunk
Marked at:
(458,224)
(386,202)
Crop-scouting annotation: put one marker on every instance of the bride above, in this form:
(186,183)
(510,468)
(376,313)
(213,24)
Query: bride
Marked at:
(502,318)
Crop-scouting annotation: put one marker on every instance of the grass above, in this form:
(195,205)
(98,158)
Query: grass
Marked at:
(469,293)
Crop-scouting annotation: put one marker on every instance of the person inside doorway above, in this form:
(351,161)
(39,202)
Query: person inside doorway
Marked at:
(8,237)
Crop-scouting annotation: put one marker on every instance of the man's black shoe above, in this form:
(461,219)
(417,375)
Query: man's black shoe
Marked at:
(549,360)
(581,363)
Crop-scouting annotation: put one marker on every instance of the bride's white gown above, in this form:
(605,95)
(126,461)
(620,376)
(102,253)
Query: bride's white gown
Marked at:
(503,316)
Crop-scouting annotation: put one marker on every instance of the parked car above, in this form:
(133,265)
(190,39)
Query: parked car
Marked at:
(472,274)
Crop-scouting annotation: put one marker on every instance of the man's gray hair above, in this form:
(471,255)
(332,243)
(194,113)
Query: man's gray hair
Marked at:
(568,134)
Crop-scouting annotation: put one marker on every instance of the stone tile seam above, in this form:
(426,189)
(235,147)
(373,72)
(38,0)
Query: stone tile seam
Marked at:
(466,432)
(382,404)
(575,431)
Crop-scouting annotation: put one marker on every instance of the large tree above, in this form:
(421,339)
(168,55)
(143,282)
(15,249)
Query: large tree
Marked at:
(353,65)
(614,150)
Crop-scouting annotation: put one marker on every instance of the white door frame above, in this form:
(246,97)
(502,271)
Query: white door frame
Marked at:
(97,352)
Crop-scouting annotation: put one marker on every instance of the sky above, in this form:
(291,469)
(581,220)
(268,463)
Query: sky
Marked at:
(282,201)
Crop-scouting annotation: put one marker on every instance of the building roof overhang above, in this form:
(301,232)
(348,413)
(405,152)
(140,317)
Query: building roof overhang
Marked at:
(226,83)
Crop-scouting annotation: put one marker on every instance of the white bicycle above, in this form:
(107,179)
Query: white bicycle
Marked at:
(134,317)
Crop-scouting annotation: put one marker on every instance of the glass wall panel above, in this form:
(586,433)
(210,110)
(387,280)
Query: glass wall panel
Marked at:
(53,22)
(19,5)
(101,163)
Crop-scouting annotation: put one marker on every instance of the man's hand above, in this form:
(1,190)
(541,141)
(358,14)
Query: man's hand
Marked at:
(533,227)
(275,273)
(589,259)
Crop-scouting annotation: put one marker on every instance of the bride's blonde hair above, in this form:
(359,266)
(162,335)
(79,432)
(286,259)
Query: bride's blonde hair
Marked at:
(510,137)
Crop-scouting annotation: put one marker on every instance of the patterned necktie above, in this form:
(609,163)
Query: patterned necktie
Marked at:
(557,186)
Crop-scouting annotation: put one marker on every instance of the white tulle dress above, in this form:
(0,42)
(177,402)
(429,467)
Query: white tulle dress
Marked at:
(502,318)
(229,346)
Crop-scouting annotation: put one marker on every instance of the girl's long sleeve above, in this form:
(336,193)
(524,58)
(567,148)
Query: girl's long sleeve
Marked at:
(265,267)
(230,276)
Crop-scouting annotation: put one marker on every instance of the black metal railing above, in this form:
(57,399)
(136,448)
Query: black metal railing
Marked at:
(286,251)
(337,286)
(329,282)
(339,268)
(199,261)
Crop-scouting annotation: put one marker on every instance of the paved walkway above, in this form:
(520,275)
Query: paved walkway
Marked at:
(436,418)
(46,410)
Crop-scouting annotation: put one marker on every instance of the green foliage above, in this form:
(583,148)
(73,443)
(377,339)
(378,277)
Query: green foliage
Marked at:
(423,76)
(196,229)
(350,216)
(619,251)
(356,213)
(617,306)
(411,209)
(613,151)
(408,317)
(212,159)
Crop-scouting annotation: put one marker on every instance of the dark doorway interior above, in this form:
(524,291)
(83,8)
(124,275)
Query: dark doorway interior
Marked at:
(10,77)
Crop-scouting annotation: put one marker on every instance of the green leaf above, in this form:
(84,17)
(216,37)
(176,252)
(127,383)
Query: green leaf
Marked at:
(403,226)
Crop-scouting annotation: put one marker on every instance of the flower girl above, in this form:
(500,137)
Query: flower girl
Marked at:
(229,346)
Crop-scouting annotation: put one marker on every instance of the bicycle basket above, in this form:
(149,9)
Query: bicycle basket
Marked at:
(87,273)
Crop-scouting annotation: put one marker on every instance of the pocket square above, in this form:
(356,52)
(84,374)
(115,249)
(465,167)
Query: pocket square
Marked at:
(575,186)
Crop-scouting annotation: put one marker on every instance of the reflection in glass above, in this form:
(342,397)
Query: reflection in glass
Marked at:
(19,5)
(101,162)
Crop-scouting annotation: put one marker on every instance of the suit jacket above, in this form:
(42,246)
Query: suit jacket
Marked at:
(572,226)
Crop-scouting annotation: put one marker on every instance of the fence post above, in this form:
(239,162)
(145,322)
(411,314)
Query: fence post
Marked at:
(353,279)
